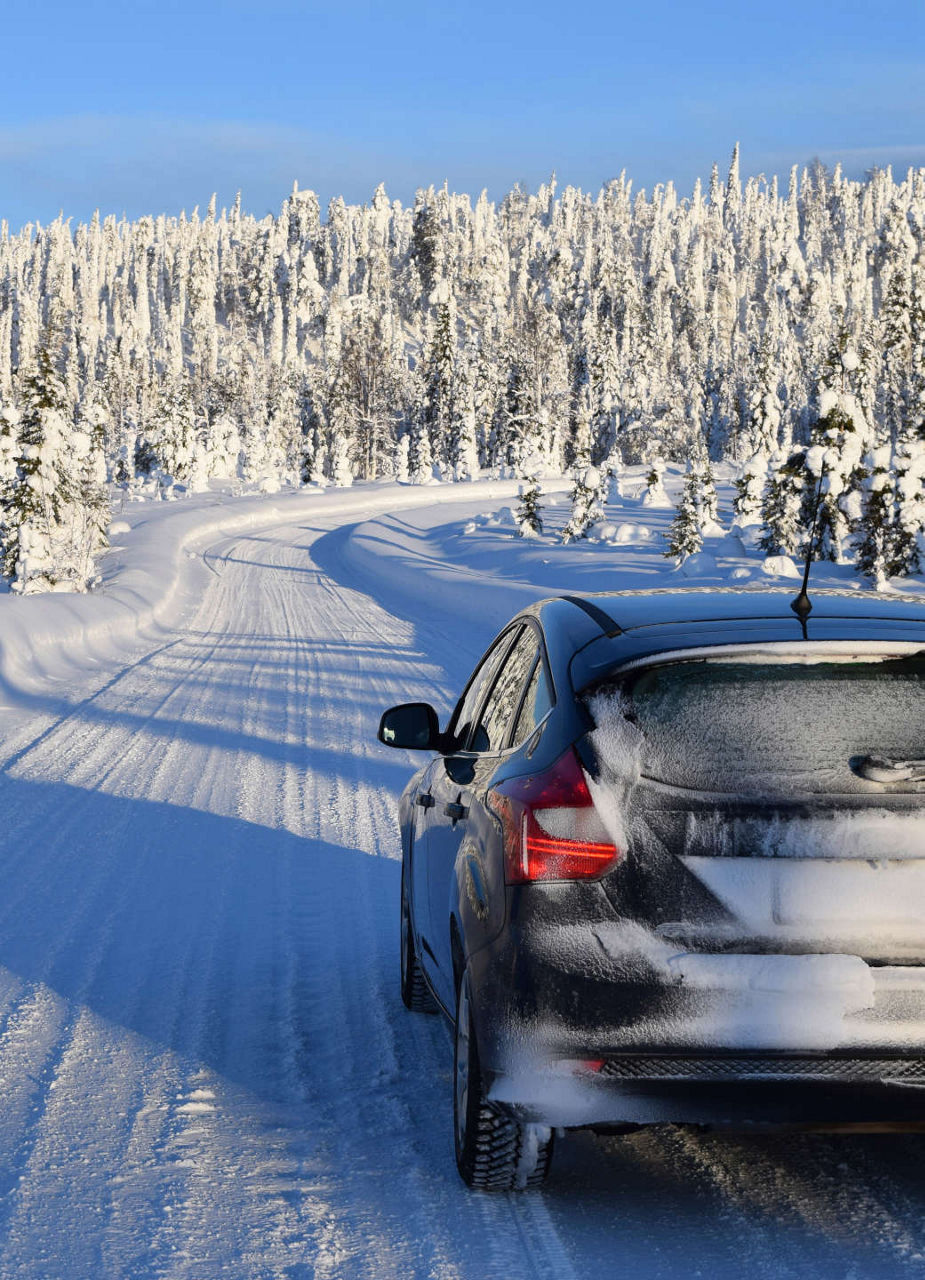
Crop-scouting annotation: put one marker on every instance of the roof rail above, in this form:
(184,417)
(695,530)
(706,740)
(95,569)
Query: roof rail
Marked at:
(603,620)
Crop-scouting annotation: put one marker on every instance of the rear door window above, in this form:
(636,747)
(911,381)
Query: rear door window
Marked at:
(536,703)
(504,699)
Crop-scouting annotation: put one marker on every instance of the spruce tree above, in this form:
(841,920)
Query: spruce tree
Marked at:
(781,510)
(9,452)
(908,474)
(57,510)
(612,472)
(709,501)
(750,488)
(834,473)
(655,494)
(685,535)
(586,504)
(402,465)
(420,459)
(439,377)
(529,519)
(877,555)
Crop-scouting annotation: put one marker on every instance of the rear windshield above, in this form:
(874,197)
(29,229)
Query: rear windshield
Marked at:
(755,727)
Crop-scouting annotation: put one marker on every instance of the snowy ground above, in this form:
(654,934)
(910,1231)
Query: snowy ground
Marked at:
(205,1066)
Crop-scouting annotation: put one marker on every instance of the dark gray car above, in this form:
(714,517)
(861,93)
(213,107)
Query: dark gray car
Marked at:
(668,865)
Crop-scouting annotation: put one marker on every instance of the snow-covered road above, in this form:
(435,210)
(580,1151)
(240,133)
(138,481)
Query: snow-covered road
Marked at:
(205,1067)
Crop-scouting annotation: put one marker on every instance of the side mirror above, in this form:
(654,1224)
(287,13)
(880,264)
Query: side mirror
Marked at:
(413,725)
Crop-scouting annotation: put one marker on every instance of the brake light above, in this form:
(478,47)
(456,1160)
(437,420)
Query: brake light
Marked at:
(552,830)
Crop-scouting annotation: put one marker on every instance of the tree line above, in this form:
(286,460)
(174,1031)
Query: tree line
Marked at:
(552,331)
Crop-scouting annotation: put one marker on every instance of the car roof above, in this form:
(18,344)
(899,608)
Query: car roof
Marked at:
(671,606)
(647,623)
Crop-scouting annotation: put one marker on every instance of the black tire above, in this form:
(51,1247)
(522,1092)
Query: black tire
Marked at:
(415,992)
(494,1150)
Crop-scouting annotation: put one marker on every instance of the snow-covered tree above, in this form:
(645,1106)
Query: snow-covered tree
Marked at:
(696,512)
(56,509)
(656,495)
(528,514)
(876,554)
(750,490)
(586,504)
(782,508)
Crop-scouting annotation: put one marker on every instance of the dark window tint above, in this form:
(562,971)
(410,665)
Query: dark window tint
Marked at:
(469,704)
(535,705)
(504,698)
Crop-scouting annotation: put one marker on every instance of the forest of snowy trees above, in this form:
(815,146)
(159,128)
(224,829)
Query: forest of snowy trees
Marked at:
(556,331)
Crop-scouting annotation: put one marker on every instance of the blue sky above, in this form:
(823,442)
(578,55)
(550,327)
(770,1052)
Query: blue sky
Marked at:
(146,108)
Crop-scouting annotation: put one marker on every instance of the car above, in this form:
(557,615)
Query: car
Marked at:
(667,864)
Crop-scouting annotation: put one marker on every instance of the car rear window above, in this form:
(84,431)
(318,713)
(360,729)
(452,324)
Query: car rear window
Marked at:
(755,727)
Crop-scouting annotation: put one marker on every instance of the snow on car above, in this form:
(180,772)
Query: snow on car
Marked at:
(669,859)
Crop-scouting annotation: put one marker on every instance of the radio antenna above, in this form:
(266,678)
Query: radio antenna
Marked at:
(802,606)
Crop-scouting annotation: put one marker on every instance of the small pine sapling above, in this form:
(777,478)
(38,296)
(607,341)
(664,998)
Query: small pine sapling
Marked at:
(656,494)
(685,536)
(341,470)
(586,504)
(529,519)
(612,471)
(402,469)
(750,487)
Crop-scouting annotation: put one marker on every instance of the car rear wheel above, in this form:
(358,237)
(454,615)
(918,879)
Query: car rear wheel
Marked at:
(415,992)
(494,1151)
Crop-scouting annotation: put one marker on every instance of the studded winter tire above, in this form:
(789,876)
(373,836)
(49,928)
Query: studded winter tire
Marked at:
(494,1151)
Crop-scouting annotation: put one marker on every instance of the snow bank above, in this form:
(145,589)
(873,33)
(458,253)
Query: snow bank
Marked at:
(780,567)
(424,561)
(151,577)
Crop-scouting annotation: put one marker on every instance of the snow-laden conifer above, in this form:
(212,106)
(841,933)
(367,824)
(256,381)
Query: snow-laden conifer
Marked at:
(587,507)
(528,514)
(685,535)
(402,468)
(877,541)
(783,529)
(57,509)
(696,514)
(750,486)
(420,459)
(655,493)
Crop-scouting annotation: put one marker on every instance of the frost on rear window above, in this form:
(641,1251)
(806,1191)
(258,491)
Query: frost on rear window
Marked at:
(756,728)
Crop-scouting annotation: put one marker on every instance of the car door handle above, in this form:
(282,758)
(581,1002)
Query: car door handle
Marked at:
(455,810)
(425,800)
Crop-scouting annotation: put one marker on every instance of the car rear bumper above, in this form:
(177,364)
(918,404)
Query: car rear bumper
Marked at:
(573,1037)
(720,1091)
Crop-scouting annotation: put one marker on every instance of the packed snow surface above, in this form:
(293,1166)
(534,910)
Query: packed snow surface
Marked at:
(206,1069)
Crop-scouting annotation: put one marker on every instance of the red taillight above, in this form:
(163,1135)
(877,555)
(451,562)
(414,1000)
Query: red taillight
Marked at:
(552,830)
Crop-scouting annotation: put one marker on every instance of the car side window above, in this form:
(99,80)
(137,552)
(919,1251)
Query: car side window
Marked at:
(468,706)
(504,699)
(535,705)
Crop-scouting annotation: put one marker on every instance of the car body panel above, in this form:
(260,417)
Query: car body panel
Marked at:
(667,955)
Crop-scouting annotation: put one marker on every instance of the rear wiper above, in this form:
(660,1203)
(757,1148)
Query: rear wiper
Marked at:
(887,769)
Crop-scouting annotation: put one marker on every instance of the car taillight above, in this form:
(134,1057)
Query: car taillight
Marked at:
(552,830)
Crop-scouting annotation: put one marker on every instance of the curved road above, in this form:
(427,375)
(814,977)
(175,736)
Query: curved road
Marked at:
(205,1068)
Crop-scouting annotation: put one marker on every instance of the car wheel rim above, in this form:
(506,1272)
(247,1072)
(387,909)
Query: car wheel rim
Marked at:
(462,1064)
